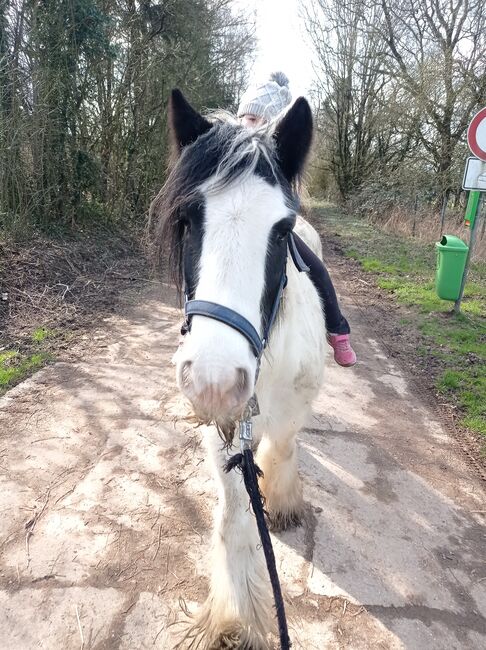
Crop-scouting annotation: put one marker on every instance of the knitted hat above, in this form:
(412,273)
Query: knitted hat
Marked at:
(266,100)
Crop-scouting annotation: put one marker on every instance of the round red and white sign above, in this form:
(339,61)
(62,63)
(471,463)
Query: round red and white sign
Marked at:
(476,135)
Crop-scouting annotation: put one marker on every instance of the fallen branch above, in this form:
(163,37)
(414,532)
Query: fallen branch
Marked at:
(158,544)
(79,627)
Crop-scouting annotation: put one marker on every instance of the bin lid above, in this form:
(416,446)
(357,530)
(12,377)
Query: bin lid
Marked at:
(451,241)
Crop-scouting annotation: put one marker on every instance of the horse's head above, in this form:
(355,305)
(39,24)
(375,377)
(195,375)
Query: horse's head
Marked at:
(226,212)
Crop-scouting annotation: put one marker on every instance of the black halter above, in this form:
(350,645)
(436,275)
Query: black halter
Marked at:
(234,319)
(237,321)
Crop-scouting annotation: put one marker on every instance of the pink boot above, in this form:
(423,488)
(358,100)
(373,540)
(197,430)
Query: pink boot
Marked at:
(344,354)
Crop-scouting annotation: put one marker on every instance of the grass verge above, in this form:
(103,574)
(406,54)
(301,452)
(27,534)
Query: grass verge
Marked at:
(454,345)
(56,287)
(18,364)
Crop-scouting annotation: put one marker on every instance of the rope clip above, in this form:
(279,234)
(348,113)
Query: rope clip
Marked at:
(246,434)
(246,425)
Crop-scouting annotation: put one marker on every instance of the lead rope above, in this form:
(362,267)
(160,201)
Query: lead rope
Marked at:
(244,460)
(251,473)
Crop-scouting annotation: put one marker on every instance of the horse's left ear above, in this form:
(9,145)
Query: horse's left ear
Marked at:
(293,135)
(185,123)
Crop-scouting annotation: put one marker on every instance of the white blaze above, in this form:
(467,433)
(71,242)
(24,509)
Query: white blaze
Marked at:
(237,225)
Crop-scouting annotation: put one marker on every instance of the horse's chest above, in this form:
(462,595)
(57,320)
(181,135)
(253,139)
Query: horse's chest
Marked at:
(287,393)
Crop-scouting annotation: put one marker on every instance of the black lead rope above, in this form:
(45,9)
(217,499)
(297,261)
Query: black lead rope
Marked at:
(251,472)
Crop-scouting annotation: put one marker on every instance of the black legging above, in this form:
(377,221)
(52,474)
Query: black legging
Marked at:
(335,321)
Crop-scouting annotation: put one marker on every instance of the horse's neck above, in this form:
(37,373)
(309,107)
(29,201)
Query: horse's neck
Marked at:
(302,302)
(291,371)
(297,343)
(300,323)
(309,235)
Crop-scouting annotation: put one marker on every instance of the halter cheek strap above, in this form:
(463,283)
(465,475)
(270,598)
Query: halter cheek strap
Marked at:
(296,256)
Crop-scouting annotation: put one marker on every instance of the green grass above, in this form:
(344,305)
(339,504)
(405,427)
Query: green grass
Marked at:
(41,333)
(405,268)
(16,365)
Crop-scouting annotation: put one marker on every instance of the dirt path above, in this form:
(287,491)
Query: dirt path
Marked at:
(106,500)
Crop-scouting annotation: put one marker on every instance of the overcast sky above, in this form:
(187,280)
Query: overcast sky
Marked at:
(282,43)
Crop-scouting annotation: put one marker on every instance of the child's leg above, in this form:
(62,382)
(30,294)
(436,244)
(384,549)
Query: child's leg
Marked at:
(336,325)
(335,321)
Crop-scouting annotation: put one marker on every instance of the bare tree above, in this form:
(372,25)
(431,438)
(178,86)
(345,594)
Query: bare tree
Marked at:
(359,112)
(437,50)
(83,94)
(12,122)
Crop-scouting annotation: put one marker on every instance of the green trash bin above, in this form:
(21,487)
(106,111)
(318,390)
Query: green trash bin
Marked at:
(451,260)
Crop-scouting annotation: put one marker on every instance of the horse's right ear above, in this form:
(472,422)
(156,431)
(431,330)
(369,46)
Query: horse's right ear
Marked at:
(185,124)
(293,136)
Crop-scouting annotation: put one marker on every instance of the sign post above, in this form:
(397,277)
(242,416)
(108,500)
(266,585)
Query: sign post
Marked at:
(475,181)
(472,208)
(472,240)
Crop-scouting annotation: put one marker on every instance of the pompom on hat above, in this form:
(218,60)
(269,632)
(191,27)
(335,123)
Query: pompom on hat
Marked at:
(266,100)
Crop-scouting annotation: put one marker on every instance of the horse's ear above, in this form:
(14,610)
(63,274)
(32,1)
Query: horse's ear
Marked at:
(185,124)
(293,135)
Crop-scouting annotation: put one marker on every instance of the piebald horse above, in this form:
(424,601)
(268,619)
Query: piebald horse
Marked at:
(225,216)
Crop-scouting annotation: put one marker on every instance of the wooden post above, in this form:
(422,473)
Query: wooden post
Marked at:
(472,240)
(415,208)
(443,212)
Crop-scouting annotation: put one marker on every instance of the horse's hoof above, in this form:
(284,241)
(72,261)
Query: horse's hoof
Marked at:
(234,641)
(232,637)
(228,641)
(279,521)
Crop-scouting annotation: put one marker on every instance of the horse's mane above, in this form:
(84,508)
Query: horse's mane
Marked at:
(224,153)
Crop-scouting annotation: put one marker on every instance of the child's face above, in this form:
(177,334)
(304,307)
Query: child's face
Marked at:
(252,120)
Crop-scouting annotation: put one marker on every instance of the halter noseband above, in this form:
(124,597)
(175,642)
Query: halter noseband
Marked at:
(228,317)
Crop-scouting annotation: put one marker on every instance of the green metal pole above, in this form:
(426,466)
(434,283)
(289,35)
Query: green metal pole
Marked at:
(472,207)
(474,218)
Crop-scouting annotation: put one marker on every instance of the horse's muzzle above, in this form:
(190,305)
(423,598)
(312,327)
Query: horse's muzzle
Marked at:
(215,393)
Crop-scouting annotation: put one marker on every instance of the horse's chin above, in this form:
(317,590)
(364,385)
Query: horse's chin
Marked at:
(225,424)
(226,430)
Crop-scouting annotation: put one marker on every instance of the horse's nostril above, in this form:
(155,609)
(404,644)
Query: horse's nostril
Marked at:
(242,380)
(186,372)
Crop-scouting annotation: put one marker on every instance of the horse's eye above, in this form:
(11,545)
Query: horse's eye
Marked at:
(282,235)
(186,225)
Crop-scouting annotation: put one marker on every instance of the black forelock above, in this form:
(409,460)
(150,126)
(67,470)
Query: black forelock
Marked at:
(227,149)
(202,160)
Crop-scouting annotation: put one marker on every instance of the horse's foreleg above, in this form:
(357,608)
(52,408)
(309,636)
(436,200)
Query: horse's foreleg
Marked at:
(281,484)
(238,611)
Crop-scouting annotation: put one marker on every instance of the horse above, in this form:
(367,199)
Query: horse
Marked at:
(226,215)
